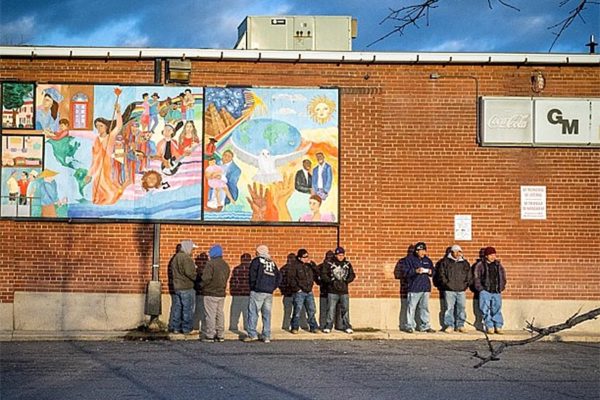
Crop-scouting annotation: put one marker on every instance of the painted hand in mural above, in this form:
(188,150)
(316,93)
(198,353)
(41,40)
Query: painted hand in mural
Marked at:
(282,191)
(261,202)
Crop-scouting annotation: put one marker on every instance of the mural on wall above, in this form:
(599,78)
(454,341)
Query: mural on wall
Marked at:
(17,105)
(125,152)
(21,167)
(271,154)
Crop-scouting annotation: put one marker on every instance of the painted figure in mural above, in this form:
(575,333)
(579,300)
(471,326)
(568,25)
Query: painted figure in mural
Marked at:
(301,277)
(322,177)
(210,151)
(154,111)
(63,145)
(214,283)
(118,157)
(188,103)
(337,276)
(47,191)
(321,109)
(46,115)
(303,180)
(417,269)
(13,187)
(23,186)
(31,188)
(315,214)
(63,130)
(490,281)
(217,181)
(189,138)
(264,279)
(168,150)
(145,118)
(232,175)
(454,277)
(104,189)
(183,302)
(145,150)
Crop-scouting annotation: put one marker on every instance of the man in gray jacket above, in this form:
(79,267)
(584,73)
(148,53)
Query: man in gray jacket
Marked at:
(183,270)
(214,283)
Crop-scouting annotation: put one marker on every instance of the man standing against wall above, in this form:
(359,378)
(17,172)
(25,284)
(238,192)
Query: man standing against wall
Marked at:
(264,279)
(213,284)
(454,276)
(184,296)
(418,269)
(301,278)
(337,275)
(490,281)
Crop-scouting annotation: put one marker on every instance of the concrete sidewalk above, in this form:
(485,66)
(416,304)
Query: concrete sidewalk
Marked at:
(279,334)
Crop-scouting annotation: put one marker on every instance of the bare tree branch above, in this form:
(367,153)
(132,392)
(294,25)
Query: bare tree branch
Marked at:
(573,14)
(495,351)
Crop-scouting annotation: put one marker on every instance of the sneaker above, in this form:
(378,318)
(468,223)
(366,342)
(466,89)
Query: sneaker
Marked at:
(207,340)
(409,330)
(267,340)
(349,331)
(428,330)
(249,339)
(446,330)
(326,330)
(462,329)
(489,331)
(219,339)
(499,331)
(314,331)
(294,331)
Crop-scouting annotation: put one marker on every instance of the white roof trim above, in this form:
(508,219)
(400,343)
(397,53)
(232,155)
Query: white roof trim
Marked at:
(298,56)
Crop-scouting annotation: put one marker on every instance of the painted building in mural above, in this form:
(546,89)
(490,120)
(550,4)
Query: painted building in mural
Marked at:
(372,152)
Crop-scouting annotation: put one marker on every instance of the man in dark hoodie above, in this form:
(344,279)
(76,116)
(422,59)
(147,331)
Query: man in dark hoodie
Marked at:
(418,269)
(184,296)
(490,281)
(454,277)
(264,279)
(213,284)
(336,277)
(301,277)
(323,305)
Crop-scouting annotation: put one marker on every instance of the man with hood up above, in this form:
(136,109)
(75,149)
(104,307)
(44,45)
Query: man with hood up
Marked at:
(454,276)
(418,269)
(336,277)
(264,279)
(214,283)
(183,303)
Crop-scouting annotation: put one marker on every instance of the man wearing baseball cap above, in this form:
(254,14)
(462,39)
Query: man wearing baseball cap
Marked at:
(490,281)
(454,276)
(417,269)
(336,276)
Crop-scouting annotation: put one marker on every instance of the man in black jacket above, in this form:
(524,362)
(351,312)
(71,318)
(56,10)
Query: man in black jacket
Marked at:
(454,276)
(301,277)
(336,276)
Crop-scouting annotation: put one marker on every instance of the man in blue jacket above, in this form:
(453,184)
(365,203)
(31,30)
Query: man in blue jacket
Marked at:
(264,279)
(418,269)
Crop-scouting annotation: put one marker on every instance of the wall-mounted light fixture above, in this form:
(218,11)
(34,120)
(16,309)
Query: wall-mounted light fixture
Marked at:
(178,70)
(538,81)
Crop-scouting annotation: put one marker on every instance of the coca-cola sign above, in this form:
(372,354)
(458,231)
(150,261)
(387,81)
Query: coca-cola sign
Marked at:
(518,121)
(507,120)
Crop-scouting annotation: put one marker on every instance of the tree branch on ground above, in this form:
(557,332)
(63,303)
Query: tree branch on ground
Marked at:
(495,351)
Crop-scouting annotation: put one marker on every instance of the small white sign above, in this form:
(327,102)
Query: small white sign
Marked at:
(533,202)
(462,227)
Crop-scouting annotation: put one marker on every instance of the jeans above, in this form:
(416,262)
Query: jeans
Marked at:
(490,305)
(214,321)
(260,302)
(332,301)
(455,303)
(304,300)
(182,311)
(417,303)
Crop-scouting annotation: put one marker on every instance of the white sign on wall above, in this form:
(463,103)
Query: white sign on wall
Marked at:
(533,202)
(562,121)
(507,120)
(595,125)
(462,227)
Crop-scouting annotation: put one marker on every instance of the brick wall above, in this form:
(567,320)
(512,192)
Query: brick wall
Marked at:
(409,163)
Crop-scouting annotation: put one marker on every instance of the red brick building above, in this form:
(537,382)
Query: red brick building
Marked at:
(410,162)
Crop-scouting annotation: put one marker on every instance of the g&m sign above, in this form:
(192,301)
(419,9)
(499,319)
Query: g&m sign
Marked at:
(540,122)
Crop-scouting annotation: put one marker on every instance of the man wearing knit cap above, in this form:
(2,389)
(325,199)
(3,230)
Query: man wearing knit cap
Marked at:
(490,281)
(454,276)
(214,282)
(417,269)
(264,279)
(302,276)
(183,269)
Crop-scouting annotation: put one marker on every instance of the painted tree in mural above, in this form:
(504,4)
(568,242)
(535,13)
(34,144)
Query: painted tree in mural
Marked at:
(13,98)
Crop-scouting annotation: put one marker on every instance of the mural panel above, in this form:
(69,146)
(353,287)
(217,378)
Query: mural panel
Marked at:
(124,152)
(271,155)
(17,105)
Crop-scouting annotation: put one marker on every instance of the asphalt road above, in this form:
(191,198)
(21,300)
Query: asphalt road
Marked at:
(295,370)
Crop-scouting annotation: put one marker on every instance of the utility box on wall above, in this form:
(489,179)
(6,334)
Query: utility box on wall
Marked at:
(302,32)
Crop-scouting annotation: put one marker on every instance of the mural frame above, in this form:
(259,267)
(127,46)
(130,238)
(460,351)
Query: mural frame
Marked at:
(34,100)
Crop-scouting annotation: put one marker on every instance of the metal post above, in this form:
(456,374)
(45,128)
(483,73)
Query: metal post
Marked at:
(154,291)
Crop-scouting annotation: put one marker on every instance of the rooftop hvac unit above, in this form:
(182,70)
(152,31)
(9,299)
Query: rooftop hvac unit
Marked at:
(300,32)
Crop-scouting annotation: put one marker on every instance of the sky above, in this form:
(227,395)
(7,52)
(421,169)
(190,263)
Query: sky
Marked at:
(454,26)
